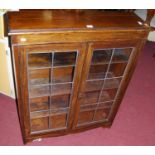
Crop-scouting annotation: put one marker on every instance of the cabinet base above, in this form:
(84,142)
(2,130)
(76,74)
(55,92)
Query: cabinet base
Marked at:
(61,133)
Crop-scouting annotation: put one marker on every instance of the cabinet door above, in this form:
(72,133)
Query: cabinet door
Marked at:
(104,69)
(50,80)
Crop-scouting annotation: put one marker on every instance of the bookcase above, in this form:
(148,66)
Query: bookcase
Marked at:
(72,68)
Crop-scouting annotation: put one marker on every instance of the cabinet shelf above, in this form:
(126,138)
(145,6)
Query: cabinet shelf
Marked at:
(49,123)
(50,112)
(96,85)
(100,105)
(106,63)
(50,67)
(93,116)
(50,90)
(51,76)
(49,102)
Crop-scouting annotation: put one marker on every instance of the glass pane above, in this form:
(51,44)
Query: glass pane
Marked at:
(93,85)
(101,114)
(116,69)
(97,71)
(60,89)
(112,83)
(40,103)
(89,97)
(121,54)
(58,121)
(101,56)
(38,60)
(86,116)
(60,101)
(39,91)
(64,58)
(108,95)
(86,113)
(63,74)
(39,124)
(39,76)
(104,105)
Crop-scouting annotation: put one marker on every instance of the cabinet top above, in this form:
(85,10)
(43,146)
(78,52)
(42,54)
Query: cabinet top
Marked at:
(43,21)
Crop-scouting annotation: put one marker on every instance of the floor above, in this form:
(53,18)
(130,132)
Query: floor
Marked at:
(134,124)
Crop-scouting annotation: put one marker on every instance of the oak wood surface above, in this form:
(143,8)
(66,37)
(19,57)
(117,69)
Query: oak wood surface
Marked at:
(60,31)
(54,20)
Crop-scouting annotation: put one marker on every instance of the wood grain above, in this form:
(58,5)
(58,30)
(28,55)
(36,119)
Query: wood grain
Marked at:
(43,39)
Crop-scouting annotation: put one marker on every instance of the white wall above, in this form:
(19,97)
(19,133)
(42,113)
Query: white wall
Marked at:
(6,77)
(142,14)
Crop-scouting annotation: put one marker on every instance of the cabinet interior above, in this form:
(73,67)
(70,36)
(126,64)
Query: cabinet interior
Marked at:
(51,80)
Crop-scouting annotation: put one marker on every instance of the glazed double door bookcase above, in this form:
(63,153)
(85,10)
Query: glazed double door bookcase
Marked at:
(71,86)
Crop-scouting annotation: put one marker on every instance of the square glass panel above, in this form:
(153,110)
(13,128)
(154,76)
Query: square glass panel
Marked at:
(60,101)
(86,116)
(39,76)
(58,121)
(40,103)
(63,74)
(121,55)
(64,58)
(101,56)
(108,95)
(61,89)
(89,97)
(39,124)
(93,85)
(39,60)
(101,114)
(39,91)
(116,70)
(97,71)
(112,83)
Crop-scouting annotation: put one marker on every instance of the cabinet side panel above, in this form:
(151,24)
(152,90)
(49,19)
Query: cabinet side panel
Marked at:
(17,76)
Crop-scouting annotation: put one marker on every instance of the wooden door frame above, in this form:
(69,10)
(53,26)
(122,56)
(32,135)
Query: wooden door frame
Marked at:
(22,54)
(106,45)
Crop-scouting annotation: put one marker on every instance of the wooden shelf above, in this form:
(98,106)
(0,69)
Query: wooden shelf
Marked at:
(50,90)
(96,85)
(49,112)
(57,75)
(47,102)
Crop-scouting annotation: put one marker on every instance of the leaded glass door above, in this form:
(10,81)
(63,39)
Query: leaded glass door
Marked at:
(100,83)
(52,78)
